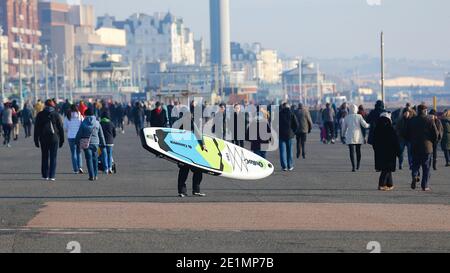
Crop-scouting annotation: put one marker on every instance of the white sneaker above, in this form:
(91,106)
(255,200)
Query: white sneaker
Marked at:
(291,169)
(52,179)
(198,194)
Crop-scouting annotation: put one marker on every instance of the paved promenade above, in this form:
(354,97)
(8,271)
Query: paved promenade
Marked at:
(320,207)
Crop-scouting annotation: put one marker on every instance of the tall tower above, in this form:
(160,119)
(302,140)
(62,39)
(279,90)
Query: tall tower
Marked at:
(220,39)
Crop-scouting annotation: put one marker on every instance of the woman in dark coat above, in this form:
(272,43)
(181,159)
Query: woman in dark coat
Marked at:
(387,149)
(445,143)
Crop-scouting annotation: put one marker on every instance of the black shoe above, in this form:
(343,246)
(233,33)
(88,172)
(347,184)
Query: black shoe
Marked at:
(353,171)
(80,171)
(447,165)
(182,195)
(91,179)
(414,182)
(304,156)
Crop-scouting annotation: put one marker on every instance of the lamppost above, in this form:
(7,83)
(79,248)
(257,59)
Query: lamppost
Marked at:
(35,84)
(20,73)
(55,76)
(1,67)
(47,96)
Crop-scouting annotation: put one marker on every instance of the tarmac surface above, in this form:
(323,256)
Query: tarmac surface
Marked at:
(319,207)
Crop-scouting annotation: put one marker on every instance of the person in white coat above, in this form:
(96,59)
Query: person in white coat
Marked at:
(72,123)
(354,136)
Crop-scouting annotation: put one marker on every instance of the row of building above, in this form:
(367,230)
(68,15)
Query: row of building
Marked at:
(66,45)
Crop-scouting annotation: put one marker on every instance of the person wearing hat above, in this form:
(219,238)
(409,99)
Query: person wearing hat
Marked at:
(421,131)
(49,135)
(372,119)
(387,148)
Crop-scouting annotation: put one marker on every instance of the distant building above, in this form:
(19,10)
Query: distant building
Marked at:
(161,37)
(256,64)
(58,31)
(4,57)
(200,52)
(447,83)
(20,23)
(312,82)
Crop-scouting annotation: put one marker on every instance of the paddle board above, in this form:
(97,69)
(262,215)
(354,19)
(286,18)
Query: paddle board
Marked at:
(221,158)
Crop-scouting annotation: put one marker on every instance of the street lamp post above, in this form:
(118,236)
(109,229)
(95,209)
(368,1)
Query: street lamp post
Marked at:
(47,96)
(55,76)
(1,67)
(36,95)
(382,68)
(20,74)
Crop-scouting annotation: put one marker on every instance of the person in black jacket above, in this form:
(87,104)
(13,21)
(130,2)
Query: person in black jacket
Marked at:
(109,132)
(288,127)
(49,135)
(138,115)
(372,119)
(158,116)
(387,149)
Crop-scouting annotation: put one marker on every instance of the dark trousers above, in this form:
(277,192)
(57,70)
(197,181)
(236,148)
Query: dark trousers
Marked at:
(7,133)
(301,140)
(329,127)
(355,148)
(239,143)
(386,179)
(447,156)
(404,145)
(91,155)
(48,165)
(183,176)
(424,162)
(27,129)
(435,155)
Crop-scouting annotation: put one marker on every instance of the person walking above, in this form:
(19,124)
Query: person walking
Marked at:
(288,127)
(7,124)
(109,131)
(421,131)
(373,117)
(363,113)
(90,137)
(16,119)
(438,123)
(72,123)
(239,130)
(26,118)
(400,128)
(158,116)
(258,140)
(354,135)
(138,116)
(49,136)
(445,142)
(305,126)
(328,120)
(387,149)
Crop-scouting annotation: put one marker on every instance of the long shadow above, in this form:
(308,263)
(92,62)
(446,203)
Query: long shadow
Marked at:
(82,197)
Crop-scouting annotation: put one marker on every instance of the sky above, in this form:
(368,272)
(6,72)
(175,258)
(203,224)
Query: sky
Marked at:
(414,29)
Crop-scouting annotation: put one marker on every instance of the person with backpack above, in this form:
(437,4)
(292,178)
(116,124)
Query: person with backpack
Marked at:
(109,131)
(7,123)
(49,136)
(26,118)
(90,137)
(72,123)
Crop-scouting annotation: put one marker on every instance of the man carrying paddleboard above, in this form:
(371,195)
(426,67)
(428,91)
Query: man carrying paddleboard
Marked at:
(184,169)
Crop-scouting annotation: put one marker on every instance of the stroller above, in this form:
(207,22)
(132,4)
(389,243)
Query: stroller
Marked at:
(100,163)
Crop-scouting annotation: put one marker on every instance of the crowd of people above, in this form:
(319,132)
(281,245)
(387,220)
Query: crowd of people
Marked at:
(91,127)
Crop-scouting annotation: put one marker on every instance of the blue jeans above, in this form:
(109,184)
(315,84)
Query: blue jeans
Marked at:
(49,154)
(107,158)
(286,155)
(75,152)
(405,145)
(91,155)
(423,161)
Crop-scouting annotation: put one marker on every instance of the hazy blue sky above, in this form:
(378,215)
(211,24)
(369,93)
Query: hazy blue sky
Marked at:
(418,29)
